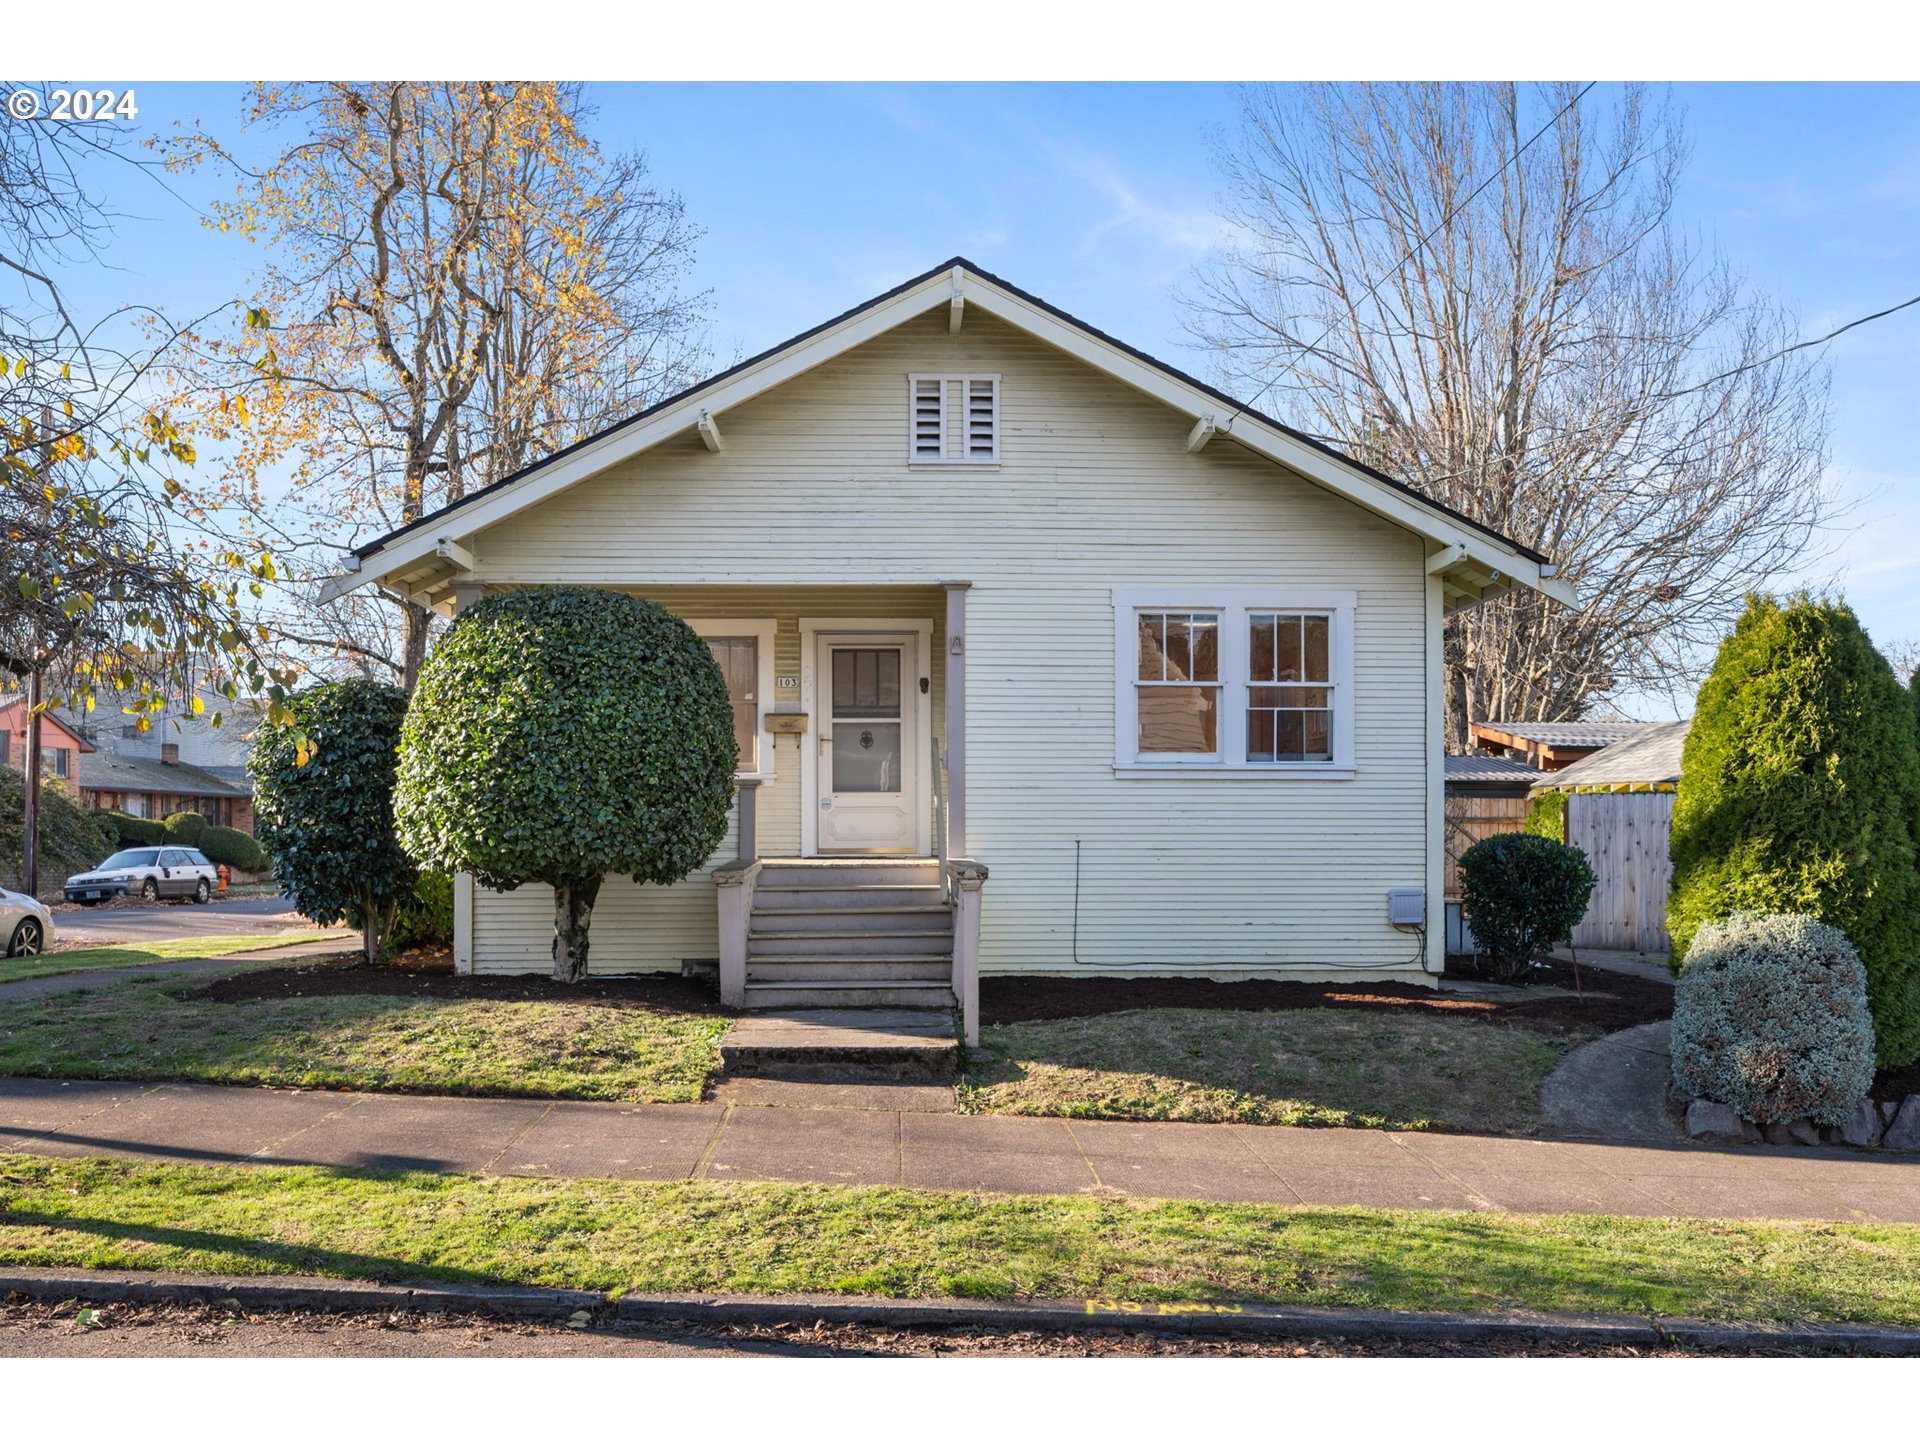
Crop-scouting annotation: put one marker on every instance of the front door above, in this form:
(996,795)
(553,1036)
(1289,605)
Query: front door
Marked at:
(870,759)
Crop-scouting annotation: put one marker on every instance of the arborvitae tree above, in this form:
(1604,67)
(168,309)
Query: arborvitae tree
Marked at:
(1801,778)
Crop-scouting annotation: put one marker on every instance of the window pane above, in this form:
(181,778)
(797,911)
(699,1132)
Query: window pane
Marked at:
(866,683)
(1206,647)
(1316,658)
(739,661)
(1260,735)
(1153,647)
(1318,728)
(1289,697)
(1288,666)
(1178,719)
(1260,651)
(866,756)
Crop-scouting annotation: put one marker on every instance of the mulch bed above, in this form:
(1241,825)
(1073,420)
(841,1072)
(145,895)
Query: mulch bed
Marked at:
(1897,1084)
(429,974)
(1611,1002)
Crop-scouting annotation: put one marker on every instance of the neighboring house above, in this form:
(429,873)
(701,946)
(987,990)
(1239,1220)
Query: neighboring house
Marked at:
(61,745)
(1549,744)
(1620,812)
(1173,669)
(181,762)
(155,789)
(1487,795)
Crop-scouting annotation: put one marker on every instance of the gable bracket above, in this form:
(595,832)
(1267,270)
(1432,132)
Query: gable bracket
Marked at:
(710,432)
(1204,429)
(957,306)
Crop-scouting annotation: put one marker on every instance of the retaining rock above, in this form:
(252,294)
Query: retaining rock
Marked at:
(1904,1132)
(1710,1120)
(1863,1127)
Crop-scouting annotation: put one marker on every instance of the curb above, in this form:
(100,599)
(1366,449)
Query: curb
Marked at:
(1229,1321)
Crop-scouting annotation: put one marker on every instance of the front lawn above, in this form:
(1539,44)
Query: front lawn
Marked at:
(156,952)
(163,1029)
(1376,1066)
(713,1237)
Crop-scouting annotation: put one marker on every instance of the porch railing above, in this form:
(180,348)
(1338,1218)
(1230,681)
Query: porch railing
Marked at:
(940,818)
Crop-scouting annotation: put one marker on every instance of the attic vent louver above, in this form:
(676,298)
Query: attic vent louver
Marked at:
(955,420)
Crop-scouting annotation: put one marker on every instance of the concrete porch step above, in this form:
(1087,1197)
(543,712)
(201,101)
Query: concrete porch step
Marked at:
(855,942)
(864,969)
(849,994)
(843,1044)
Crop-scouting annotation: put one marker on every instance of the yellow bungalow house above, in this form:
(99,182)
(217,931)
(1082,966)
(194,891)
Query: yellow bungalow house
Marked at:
(1000,596)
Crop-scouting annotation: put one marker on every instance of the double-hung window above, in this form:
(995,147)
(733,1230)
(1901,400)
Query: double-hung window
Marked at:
(1233,681)
(953,420)
(744,651)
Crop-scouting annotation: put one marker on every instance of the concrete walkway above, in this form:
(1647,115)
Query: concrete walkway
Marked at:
(40,987)
(1614,1088)
(719,1141)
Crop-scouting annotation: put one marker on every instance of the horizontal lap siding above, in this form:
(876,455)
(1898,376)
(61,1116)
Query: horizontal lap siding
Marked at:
(1096,491)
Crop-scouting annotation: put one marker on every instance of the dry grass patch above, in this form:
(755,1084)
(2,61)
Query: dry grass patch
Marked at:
(157,952)
(150,1030)
(1403,1069)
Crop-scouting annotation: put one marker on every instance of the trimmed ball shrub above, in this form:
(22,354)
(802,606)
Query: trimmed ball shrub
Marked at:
(132,830)
(561,734)
(1770,1016)
(1547,815)
(323,802)
(233,848)
(1523,894)
(185,827)
(1801,784)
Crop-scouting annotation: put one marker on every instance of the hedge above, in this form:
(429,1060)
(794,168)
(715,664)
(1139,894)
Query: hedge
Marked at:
(233,848)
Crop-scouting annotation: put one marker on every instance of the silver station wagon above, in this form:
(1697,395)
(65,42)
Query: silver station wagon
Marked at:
(153,872)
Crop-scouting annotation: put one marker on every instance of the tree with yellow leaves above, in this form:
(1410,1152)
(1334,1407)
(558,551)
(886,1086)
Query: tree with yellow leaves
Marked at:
(458,282)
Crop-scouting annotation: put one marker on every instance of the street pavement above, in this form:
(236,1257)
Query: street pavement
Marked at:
(1009,1154)
(177,920)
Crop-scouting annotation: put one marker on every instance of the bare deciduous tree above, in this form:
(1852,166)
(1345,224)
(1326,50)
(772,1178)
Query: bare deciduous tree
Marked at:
(1481,289)
(461,282)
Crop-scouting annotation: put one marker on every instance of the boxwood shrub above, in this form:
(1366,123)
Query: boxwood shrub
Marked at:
(1770,1016)
(233,848)
(185,827)
(1523,895)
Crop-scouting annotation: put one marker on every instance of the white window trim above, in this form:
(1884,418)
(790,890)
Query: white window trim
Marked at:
(762,632)
(962,461)
(1232,604)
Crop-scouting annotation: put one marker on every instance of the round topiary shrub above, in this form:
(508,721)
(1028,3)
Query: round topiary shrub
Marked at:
(561,734)
(235,849)
(185,827)
(1770,1016)
(1523,895)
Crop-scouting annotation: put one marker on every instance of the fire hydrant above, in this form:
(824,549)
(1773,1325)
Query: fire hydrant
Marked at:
(224,873)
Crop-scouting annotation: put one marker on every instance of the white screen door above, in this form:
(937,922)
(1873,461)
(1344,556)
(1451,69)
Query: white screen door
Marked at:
(870,744)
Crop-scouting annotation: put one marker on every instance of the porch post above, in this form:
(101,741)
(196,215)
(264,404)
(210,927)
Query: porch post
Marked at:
(957,715)
(968,878)
(747,829)
(733,892)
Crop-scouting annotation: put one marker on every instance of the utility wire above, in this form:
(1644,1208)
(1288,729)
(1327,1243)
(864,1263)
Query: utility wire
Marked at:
(1799,345)
(1419,244)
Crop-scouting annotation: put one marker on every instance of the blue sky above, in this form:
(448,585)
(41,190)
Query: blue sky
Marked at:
(1101,197)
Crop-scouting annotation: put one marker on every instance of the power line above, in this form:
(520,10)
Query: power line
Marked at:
(1798,345)
(1420,243)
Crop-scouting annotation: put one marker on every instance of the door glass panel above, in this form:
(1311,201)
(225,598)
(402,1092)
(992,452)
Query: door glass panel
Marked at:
(739,661)
(867,683)
(866,756)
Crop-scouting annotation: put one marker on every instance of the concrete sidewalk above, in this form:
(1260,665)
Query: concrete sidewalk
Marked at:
(717,1141)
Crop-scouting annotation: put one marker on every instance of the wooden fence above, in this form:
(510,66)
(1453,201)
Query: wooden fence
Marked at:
(1472,818)
(1625,837)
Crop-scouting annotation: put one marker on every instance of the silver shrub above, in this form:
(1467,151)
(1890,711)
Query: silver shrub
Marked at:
(1770,1016)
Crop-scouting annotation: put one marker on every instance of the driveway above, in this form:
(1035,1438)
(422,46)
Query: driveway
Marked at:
(268,915)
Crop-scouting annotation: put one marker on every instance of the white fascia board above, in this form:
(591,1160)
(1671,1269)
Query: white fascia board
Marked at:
(1256,434)
(943,288)
(590,459)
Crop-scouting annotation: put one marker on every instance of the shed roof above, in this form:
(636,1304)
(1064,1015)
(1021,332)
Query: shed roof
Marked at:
(1649,757)
(1567,734)
(1488,770)
(152,777)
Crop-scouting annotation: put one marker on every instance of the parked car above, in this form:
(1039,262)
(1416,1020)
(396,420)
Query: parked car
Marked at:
(26,925)
(151,872)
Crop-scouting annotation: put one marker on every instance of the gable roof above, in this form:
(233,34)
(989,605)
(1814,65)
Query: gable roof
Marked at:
(85,745)
(1474,560)
(1562,734)
(1488,770)
(1650,756)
